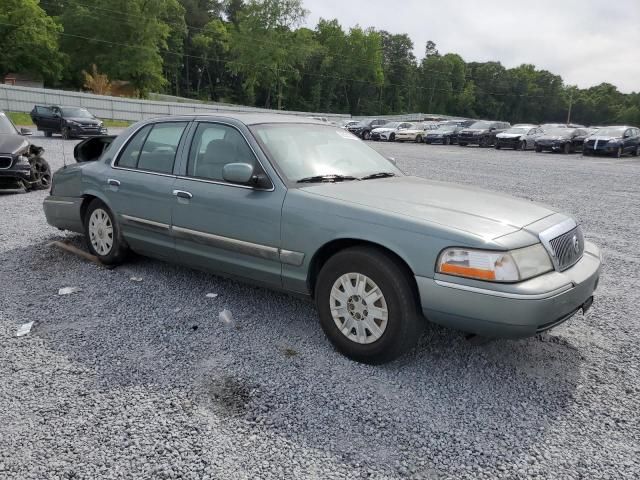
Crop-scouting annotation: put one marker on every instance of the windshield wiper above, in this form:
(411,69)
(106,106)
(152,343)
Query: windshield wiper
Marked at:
(326,178)
(378,175)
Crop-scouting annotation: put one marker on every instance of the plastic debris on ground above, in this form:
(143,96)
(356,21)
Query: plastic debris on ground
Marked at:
(24,329)
(69,290)
(211,295)
(136,279)
(226,317)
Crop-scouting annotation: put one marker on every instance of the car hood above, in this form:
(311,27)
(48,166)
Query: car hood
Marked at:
(474,130)
(604,138)
(12,144)
(480,212)
(84,121)
(554,137)
(509,135)
(383,130)
(410,131)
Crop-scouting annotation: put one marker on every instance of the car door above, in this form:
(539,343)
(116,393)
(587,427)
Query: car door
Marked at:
(222,226)
(628,140)
(139,187)
(45,118)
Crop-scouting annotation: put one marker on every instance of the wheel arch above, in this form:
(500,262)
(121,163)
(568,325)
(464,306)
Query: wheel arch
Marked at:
(87,198)
(326,251)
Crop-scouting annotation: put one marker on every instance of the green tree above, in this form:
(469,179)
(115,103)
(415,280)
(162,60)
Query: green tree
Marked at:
(30,40)
(128,43)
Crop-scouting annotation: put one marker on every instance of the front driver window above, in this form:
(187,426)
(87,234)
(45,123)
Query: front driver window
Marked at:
(213,146)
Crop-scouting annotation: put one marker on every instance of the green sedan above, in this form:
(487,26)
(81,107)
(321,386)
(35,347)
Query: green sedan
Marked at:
(296,205)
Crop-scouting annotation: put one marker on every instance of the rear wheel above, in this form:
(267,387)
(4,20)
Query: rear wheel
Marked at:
(418,138)
(367,305)
(538,149)
(497,146)
(636,152)
(40,174)
(103,234)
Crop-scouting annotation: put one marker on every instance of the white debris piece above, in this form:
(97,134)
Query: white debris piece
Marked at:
(226,317)
(211,295)
(24,329)
(69,290)
(136,279)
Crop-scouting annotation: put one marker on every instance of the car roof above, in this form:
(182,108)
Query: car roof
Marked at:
(246,118)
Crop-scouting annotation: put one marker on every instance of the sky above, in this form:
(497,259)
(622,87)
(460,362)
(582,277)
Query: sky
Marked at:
(586,42)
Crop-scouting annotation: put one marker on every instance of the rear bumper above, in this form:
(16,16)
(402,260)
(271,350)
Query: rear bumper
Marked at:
(493,313)
(64,212)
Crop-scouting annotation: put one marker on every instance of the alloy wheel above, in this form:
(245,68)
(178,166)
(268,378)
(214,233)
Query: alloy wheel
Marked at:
(101,231)
(359,308)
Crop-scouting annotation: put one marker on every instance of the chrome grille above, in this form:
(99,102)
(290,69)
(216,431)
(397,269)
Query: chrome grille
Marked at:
(567,248)
(5,162)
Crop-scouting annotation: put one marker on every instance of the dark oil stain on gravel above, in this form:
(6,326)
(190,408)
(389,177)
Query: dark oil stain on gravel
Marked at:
(229,395)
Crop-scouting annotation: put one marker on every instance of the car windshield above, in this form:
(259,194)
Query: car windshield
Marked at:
(391,125)
(76,113)
(302,151)
(557,131)
(445,129)
(520,130)
(611,131)
(6,126)
(482,125)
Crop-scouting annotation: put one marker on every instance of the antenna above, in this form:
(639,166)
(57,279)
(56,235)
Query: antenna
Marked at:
(64,153)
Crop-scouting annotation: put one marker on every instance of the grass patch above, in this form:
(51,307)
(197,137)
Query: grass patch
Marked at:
(24,120)
(290,352)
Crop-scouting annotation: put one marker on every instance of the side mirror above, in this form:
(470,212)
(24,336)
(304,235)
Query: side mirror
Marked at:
(237,173)
(56,115)
(26,132)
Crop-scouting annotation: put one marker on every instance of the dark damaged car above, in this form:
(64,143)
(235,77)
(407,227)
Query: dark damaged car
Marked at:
(482,133)
(561,139)
(613,141)
(21,163)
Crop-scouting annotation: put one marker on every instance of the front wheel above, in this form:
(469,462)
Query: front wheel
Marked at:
(566,148)
(48,133)
(366,136)
(447,140)
(367,305)
(618,153)
(392,137)
(103,234)
(40,174)
(418,138)
(66,133)
(538,149)
(522,145)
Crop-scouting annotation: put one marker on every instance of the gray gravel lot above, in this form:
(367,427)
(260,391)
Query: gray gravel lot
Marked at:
(140,380)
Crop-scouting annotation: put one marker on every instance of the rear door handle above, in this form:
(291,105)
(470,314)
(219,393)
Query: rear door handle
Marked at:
(182,194)
(113,182)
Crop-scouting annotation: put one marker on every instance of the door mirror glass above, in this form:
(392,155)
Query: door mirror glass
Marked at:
(26,132)
(237,173)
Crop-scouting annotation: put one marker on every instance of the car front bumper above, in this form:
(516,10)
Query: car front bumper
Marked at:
(79,131)
(508,142)
(525,310)
(13,177)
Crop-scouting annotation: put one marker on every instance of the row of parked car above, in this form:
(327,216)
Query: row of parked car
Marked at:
(563,138)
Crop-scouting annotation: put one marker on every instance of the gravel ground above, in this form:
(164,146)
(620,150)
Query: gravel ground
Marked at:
(140,380)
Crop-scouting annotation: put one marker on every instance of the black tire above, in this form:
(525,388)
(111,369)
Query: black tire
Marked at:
(404,324)
(618,153)
(428,142)
(462,144)
(522,145)
(446,141)
(497,146)
(538,149)
(636,152)
(585,153)
(392,137)
(119,249)
(418,138)
(66,133)
(484,142)
(40,174)
(566,148)
(366,135)
(48,134)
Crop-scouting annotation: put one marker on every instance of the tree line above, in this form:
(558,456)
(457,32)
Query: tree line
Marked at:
(257,52)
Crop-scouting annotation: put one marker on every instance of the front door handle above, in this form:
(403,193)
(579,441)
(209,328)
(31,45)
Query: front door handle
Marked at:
(182,194)
(113,182)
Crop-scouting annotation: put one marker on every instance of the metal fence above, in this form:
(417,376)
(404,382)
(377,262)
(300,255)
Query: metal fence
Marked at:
(22,99)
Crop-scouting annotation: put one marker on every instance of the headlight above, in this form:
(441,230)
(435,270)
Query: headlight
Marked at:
(492,266)
(22,160)
(71,122)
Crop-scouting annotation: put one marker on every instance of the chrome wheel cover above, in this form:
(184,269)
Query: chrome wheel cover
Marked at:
(101,231)
(358,308)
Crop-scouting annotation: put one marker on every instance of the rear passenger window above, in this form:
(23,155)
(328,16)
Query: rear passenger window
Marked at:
(154,148)
(129,157)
